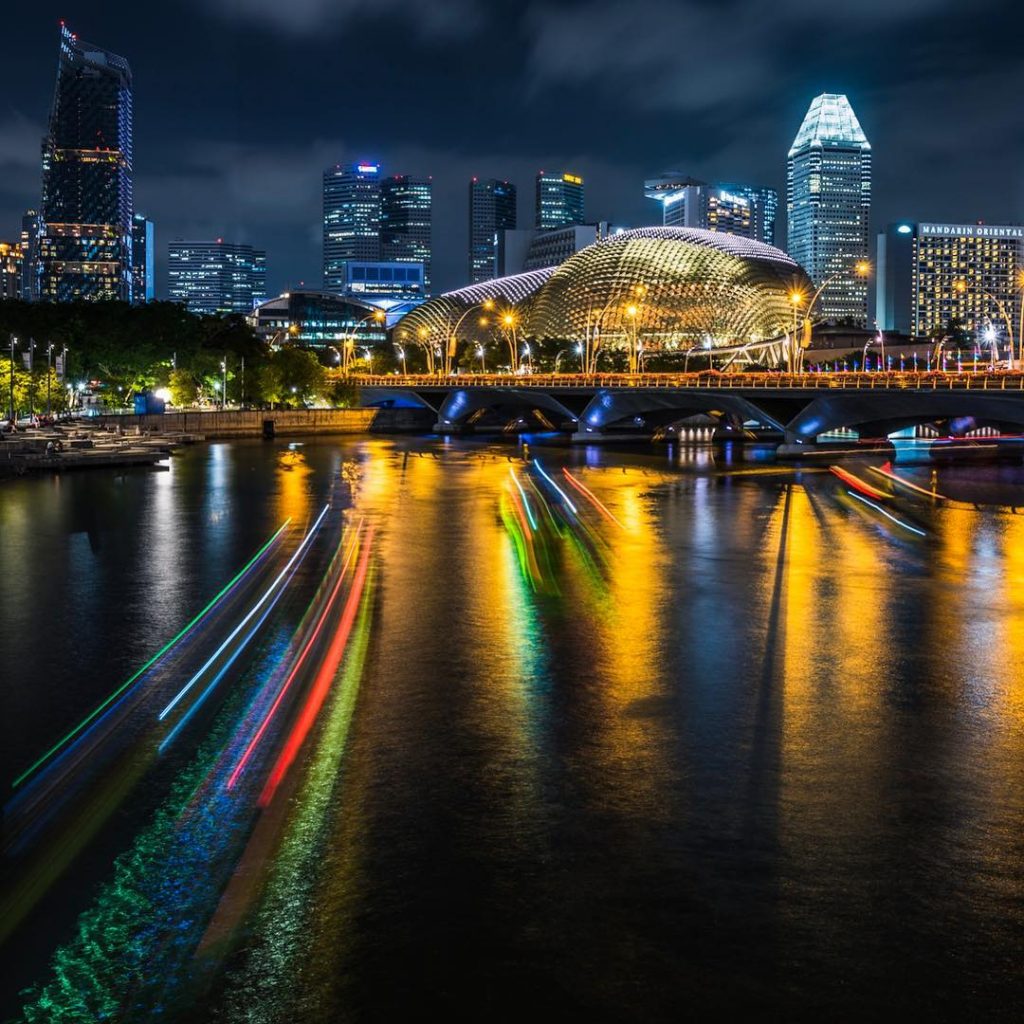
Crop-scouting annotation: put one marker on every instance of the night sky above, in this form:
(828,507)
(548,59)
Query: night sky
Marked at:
(240,104)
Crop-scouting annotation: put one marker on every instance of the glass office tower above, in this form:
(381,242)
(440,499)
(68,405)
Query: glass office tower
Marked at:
(828,200)
(143,255)
(559,200)
(405,222)
(351,205)
(217,277)
(84,247)
(492,210)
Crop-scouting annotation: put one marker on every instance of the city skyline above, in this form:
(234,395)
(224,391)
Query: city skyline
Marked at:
(202,170)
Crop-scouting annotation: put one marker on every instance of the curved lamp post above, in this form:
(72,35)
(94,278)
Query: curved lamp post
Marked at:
(801,340)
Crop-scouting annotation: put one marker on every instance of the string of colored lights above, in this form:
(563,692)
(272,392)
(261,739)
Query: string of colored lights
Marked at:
(252,612)
(100,708)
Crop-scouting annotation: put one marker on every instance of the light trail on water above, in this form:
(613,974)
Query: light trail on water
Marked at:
(266,595)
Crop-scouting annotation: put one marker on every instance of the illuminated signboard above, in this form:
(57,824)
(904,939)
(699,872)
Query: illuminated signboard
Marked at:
(572,179)
(367,168)
(973,230)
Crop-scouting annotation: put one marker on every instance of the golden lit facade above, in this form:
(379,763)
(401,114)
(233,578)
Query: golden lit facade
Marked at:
(649,287)
(968,275)
(11,264)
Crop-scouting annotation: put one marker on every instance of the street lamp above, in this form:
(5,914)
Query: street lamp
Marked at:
(401,355)
(862,268)
(223,383)
(961,287)
(14,341)
(480,354)
(49,369)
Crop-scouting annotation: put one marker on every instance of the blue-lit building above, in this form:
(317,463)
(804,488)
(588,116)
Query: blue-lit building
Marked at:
(382,277)
(351,220)
(84,245)
(828,202)
(143,258)
(316,319)
(405,223)
(216,277)
(559,200)
(492,210)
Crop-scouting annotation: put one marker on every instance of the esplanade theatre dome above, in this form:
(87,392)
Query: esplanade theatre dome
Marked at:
(672,286)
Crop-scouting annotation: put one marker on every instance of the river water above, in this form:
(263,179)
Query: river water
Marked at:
(491,731)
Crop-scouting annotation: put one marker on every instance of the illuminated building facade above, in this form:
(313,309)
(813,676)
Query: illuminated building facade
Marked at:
(319,319)
(405,223)
(216,277)
(382,277)
(828,201)
(84,248)
(530,249)
(736,209)
(11,270)
(143,257)
(559,200)
(31,230)
(351,219)
(934,276)
(492,210)
(685,286)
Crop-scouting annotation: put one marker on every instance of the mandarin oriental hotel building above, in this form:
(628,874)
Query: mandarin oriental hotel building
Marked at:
(932,276)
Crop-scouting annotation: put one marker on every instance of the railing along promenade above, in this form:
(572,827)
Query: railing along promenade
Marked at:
(923,380)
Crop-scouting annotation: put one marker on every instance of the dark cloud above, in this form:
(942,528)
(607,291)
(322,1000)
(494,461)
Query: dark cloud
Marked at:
(240,104)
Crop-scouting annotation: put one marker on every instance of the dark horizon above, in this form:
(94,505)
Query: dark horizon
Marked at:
(239,106)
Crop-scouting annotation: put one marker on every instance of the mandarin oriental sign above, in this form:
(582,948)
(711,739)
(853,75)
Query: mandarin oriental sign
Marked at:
(973,230)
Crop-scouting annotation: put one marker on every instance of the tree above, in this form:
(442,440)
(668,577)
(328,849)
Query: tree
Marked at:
(183,388)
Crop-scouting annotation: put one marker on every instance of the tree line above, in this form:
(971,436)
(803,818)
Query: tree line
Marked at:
(117,351)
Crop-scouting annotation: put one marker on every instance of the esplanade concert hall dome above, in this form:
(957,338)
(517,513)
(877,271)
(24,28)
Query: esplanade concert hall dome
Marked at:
(675,286)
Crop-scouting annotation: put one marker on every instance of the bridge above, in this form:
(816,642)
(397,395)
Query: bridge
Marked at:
(797,408)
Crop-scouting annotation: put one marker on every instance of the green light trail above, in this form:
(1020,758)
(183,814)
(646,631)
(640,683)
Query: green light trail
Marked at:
(156,657)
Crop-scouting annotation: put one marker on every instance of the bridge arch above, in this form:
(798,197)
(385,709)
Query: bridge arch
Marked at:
(609,407)
(878,413)
(460,404)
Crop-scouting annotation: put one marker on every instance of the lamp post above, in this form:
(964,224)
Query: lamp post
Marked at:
(797,345)
(378,316)
(452,341)
(14,341)
(401,355)
(961,287)
(480,353)
(49,369)
(223,383)
(632,311)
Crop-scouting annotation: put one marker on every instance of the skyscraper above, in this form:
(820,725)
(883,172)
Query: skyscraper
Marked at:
(351,196)
(217,277)
(492,209)
(84,249)
(828,200)
(559,200)
(405,222)
(11,259)
(143,255)
(31,230)
(736,209)
(935,277)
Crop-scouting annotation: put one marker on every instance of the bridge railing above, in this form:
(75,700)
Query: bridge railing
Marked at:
(924,380)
